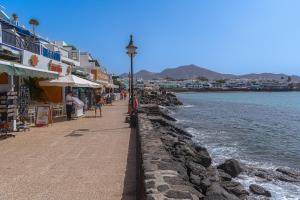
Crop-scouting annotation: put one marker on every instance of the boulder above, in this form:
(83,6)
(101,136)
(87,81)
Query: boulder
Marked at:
(205,184)
(289,172)
(256,189)
(235,188)
(196,169)
(231,167)
(217,192)
(195,179)
(213,174)
(202,157)
(224,176)
(287,178)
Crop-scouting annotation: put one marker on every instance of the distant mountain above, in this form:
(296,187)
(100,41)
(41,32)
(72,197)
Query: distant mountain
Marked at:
(194,71)
(146,75)
(191,71)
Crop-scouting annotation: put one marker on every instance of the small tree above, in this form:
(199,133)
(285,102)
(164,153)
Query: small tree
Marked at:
(221,81)
(202,78)
(169,78)
(15,17)
(289,79)
(34,23)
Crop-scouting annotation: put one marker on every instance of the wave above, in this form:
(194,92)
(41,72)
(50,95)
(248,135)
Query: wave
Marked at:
(187,106)
(280,190)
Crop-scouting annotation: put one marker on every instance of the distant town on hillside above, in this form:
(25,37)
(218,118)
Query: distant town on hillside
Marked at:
(195,78)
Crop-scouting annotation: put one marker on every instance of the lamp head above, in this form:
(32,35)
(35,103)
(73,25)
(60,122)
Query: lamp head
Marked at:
(131,49)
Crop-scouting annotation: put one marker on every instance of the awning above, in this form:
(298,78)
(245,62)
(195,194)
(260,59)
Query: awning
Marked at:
(112,86)
(71,81)
(105,83)
(6,68)
(22,70)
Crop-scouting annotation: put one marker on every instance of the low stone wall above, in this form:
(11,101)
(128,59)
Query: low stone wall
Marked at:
(161,177)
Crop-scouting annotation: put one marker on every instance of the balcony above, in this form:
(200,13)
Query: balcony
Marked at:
(19,42)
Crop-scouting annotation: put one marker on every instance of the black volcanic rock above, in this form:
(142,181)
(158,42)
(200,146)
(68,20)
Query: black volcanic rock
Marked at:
(217,192)
(231,167)
(256,189)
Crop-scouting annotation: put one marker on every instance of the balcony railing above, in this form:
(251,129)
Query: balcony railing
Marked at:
(16,41)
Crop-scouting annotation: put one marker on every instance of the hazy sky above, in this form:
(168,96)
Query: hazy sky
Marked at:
(229,36)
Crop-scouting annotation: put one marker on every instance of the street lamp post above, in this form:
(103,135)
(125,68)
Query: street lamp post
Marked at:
(131,51)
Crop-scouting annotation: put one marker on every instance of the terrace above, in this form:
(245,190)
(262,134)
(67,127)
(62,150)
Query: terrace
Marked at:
(12,38)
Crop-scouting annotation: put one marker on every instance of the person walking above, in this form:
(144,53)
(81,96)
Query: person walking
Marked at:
(98,104)
(69,105)
(125,95)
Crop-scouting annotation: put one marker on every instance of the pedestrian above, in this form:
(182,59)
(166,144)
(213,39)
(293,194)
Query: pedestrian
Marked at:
(98,104)
(135,103)
(121,95)
(125,95)
(86,101)
(69,105)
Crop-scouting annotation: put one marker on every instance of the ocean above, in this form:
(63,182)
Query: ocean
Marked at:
(258,128)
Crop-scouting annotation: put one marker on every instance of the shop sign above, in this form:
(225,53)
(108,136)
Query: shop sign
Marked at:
(34,60)
(42,116)
(54,67)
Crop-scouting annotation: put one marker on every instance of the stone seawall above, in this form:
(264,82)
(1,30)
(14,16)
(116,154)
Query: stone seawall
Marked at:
(161,177)
(175,168)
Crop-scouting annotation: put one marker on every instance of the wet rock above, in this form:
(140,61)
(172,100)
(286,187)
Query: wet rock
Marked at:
(195,179)
(224,176)
(196,168)
(289,172)
(204,185)
(231,167)
(235,188)
(287,178)
(263,175)
(217,192)
(258,190)
(213,174)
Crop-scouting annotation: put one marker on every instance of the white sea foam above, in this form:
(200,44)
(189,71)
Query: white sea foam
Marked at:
(279,190)
(187,106)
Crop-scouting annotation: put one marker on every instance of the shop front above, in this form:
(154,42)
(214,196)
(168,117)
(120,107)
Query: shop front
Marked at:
(80,88)
(20,94)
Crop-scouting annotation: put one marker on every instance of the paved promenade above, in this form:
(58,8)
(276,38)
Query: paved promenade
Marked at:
(88,158)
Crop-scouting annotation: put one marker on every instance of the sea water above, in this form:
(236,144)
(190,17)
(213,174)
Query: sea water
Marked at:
(258,128)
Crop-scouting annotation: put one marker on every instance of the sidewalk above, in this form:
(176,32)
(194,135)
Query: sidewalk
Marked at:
(89,158)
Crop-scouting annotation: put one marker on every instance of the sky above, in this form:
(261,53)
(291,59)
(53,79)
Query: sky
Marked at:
(227,36)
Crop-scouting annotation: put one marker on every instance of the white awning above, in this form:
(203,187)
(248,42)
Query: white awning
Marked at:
(105,83)
(110,85)
(70,80)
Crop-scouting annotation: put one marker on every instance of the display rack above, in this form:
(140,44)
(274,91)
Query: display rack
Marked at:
(8,111)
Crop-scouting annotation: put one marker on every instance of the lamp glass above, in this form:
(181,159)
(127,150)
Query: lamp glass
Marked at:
(131,50)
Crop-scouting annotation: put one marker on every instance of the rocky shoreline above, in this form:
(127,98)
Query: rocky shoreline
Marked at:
(174,167)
